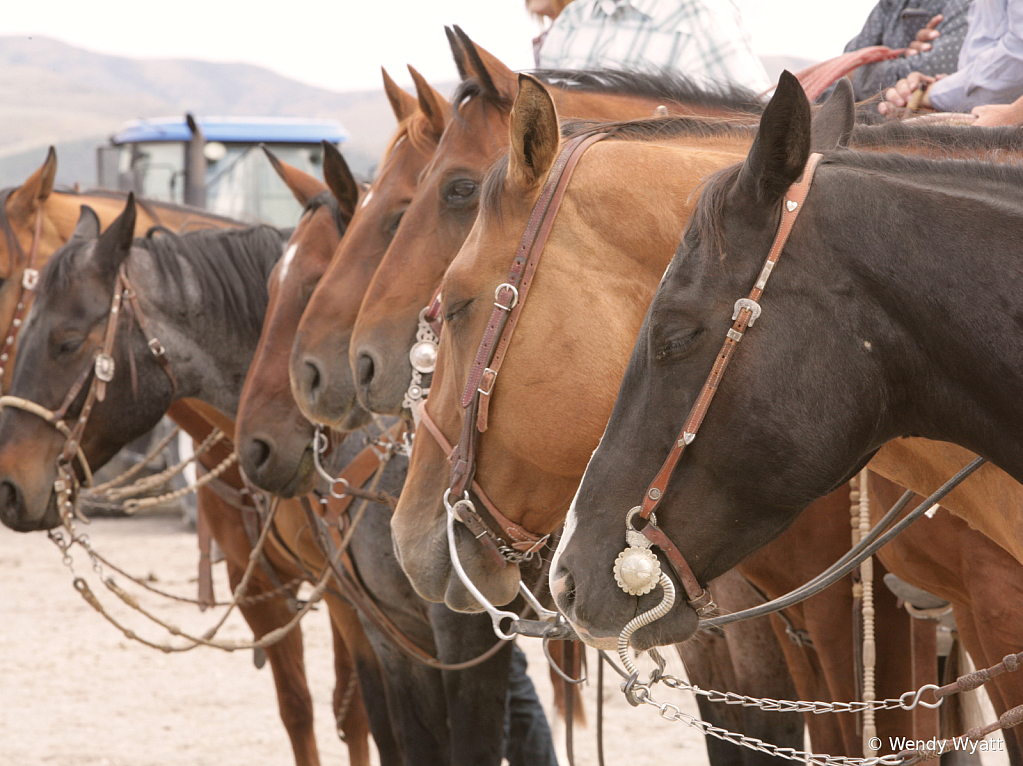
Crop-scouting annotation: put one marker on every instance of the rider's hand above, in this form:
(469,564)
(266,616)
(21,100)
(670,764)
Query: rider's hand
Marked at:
(900,94)
(925,37)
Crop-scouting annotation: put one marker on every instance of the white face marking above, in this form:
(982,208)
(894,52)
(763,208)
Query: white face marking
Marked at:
(289,256)
(367,198)
(867,345)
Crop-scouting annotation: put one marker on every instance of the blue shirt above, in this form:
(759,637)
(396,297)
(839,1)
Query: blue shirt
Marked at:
(990,62)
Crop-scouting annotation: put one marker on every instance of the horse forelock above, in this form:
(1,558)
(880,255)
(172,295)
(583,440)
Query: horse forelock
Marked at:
(417,130)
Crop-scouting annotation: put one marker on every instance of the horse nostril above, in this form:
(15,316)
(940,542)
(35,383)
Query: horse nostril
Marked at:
(313,379)
(563,587)
(364,369)
(10,503)
(257,454)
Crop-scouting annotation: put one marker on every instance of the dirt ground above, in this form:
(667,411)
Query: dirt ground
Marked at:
(75,692)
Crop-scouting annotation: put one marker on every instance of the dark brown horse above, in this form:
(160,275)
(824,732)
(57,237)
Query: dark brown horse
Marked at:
(437,220)
(893,351)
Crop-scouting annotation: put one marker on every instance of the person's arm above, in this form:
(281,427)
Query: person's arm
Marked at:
(993,115)
(994,76)
(942,57)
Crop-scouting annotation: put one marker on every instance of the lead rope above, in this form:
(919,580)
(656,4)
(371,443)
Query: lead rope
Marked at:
(864,590)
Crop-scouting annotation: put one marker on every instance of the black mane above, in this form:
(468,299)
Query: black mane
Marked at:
(665,85)
(230,267)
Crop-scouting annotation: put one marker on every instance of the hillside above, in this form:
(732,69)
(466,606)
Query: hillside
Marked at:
(53,93)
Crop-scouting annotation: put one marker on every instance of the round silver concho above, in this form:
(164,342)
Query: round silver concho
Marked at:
(423,356)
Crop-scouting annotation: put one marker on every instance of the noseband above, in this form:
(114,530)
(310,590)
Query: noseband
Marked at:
(637,569)
(514,543)
(101,369)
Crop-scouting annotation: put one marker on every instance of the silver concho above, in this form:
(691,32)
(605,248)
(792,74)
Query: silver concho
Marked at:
(423,356)
(105,367)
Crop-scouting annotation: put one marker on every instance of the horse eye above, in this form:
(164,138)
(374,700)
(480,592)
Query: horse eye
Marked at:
(461,192)
(457,309)
(678,345)
(70,345)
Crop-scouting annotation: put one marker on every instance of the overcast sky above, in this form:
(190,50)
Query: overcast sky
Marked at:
(341,44)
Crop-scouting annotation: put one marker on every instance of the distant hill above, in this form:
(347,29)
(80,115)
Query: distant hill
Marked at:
(54,93)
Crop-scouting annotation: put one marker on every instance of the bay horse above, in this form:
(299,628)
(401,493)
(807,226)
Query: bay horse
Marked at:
(918,350)
(226,294)
(437,220)
(540,432)
(36,202)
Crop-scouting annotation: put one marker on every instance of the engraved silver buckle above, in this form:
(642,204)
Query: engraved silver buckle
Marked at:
(29,279)
(746,303)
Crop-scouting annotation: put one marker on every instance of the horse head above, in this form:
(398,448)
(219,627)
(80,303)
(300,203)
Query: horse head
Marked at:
(321,376)
(72,339)
(274,440)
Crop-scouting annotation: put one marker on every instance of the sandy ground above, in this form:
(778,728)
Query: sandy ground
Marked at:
(75,692)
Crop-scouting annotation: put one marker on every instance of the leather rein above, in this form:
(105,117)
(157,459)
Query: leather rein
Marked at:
(513,543)
(642,518)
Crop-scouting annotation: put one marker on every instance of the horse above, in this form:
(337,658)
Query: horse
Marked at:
(415,692)
(537,425)
(437,220)
(922,361)
(36,204)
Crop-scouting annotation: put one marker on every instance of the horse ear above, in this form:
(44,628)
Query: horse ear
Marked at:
(431,103)
(114,244)
(304,186)
(534,134)
(458,53)
(403,104)
(37,188)
(833,123)
(88,226)
(782,145)
(340,181)
(497,80)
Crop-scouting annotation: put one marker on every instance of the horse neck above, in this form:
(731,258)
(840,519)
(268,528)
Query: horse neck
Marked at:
(572,102)
(209,349)
(938,294)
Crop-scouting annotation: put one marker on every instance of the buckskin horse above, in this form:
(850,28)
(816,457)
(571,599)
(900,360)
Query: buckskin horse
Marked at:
(556,354)
(867,335)
(36,219)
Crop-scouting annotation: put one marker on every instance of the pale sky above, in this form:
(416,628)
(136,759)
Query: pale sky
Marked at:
(342,44)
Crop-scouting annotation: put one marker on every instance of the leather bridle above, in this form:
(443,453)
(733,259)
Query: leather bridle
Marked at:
(100,369)
(513,543)
(746,312)
(29,275)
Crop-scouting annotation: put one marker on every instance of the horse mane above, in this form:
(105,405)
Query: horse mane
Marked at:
(146,203)
(645,129)
(416,129)
(230,266)
(950,139)
(326,198)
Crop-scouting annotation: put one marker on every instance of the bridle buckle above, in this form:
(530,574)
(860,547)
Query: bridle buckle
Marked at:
(487,381)
(105,367)
(29,279)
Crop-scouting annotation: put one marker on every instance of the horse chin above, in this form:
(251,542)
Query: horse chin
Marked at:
(355,418)
(23,521)
(301,482)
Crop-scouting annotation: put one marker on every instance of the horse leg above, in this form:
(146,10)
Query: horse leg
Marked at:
(286,656)
(709,666)
(760,671)
(477,698)
(372,685)
(349,710)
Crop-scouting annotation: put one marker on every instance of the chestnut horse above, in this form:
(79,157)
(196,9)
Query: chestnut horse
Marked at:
(914,356)
(540,432)
(437,220)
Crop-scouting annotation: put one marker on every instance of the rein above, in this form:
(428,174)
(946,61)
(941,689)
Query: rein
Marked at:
(514,544)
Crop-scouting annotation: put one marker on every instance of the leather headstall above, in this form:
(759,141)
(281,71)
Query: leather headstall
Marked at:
(745,314)
(29,275)
(513,543)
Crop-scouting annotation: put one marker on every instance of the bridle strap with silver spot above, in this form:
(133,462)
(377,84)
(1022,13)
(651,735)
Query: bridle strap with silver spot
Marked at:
(29,277)
(509,298)
(745,314)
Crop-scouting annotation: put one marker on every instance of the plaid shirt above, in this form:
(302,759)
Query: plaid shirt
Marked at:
(703,39)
